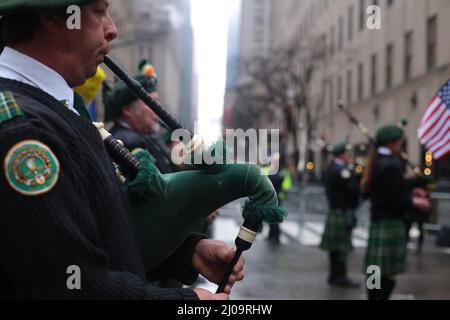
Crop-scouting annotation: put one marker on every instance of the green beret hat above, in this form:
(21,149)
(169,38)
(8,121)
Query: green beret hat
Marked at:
(143,63)
(14,6)
(339,149)
(120,96)
(389,133)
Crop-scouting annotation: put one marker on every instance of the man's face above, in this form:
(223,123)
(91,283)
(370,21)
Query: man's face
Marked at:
(396,146)
(87,47)
(344,157)
(141,118)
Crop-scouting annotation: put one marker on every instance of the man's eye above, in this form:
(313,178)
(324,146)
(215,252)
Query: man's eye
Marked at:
(100,10)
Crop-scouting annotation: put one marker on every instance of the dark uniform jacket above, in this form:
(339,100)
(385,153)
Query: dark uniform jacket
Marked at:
(152,143)
(342,187)
(85,220)
(388,191)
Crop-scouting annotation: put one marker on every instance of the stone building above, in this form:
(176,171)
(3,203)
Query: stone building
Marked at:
(381,75)
(161,32)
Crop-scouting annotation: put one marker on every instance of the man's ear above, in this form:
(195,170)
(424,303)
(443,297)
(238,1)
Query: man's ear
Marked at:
(52,21)
(127,111)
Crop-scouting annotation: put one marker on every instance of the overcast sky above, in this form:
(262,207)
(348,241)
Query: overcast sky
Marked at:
(210,23)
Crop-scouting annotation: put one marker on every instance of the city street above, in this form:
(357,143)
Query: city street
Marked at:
(297,269)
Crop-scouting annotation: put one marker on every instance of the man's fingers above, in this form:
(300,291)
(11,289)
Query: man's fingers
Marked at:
(206,295)
(227,290)
(222,296)
(228,254)
(235,277)
(239,265)
(239,276)
(232,280)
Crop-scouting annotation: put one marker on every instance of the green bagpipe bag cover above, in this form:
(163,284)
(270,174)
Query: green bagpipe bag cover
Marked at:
(169,207)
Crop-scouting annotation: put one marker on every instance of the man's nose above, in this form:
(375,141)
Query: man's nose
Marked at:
(110,30)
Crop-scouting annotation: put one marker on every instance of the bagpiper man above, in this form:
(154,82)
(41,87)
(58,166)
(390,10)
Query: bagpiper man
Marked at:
(386,186)
(62,207)
(342,190)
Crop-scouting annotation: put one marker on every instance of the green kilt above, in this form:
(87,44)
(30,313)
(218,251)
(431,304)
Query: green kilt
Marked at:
(387,246)
(337,235)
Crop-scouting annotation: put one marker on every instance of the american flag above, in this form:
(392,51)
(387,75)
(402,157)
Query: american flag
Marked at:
(434,130)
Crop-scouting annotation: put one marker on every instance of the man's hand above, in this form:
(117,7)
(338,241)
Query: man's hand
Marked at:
(206,295)
(211,258)
(423,204)
(420,193)
(421,200)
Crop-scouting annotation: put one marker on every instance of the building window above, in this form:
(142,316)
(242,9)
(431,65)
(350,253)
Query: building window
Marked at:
(341,33)
(323,41)
(331,96)
(350,23)
(141,51)
(332,40)
(360,81)
(340,88)
(408,55)
(431,42)
(389,64)
(376,113)
(373,74)
(150,53)
(349,87)
(414,100)
(362,14)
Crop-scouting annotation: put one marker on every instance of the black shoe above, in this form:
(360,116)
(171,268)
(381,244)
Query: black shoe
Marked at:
(274,240)
(331,280)
(345,283)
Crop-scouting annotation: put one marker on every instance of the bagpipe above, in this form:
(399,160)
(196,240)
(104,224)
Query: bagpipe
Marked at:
(168,207)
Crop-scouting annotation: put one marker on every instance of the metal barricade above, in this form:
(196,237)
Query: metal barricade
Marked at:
(441,209)
(313,201)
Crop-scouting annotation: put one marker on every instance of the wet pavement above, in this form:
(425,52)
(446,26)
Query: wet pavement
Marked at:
(297,269)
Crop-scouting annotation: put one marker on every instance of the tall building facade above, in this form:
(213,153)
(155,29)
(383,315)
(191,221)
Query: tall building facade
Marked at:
(381,75)
(255,27)
(233,55)
(159,31)
(249,38)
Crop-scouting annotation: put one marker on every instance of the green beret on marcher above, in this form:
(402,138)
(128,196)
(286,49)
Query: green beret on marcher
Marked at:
(389,133)
(339,149)
(120,96)
(15,6)
(142,64)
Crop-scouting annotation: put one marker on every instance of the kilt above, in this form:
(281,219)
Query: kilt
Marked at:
(387,246)
(337,235)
